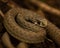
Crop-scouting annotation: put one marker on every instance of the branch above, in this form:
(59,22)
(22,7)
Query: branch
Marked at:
(46,7)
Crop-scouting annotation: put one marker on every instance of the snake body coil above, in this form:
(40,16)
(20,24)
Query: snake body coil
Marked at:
(29,20)
(19,32)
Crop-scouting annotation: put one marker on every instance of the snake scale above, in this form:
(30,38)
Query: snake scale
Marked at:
(20,33)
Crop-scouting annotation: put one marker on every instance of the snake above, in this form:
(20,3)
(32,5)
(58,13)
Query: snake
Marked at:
(19,32)
(29,36)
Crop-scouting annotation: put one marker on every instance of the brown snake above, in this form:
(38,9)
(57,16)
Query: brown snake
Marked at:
(52,30)
(19,32)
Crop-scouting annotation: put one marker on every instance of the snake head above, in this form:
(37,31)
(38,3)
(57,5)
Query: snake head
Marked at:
(41,22)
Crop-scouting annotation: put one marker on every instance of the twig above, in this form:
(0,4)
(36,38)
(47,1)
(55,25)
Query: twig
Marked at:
(46,7)
(22,45)
(6,41)
(1,13)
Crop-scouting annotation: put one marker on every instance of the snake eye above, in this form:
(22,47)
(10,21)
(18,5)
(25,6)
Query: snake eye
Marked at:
(38,22)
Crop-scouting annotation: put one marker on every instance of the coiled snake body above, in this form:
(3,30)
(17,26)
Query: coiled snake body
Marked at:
(20,33)
(29,20)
